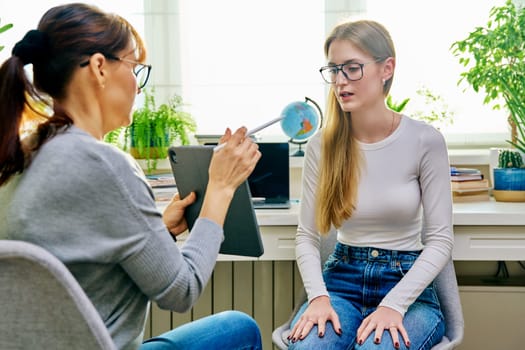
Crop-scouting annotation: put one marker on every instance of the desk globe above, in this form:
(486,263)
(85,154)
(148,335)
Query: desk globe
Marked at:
(300,120)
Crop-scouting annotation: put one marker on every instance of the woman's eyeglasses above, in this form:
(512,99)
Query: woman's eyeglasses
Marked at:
(141,71)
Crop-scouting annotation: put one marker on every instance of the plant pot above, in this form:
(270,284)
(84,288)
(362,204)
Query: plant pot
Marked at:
(149,153)
(509,184)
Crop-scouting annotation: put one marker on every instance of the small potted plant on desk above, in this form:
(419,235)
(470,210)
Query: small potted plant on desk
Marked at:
(509,177)
(154,129)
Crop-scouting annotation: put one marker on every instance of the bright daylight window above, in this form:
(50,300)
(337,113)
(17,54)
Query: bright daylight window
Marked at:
(244,61)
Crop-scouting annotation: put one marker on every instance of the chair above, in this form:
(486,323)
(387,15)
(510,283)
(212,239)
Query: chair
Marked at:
(42,306)
(446,289)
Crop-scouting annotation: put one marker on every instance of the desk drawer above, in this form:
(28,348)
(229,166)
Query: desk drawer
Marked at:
(489,243)
(279,242)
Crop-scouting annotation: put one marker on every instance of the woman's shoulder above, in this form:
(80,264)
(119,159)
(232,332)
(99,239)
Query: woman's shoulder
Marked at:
(73,163)
(424,138)
(79,144)
(316,140)
(78,151)
(313,146)
(419,124)
(422,131)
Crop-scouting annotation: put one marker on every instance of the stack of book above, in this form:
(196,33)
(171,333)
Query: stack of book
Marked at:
(163,186)
(468,185)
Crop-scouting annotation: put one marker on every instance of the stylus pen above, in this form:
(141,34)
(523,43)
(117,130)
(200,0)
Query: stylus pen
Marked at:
(253,131)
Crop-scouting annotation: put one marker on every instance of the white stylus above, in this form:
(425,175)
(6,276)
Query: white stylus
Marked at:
(252,131)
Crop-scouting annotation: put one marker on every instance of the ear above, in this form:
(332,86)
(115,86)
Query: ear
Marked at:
(97,66)
(388,68)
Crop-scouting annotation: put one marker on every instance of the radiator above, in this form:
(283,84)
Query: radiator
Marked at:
(266,290)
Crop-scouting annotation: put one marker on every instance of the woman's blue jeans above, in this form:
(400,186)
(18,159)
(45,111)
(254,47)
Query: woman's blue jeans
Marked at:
(232,330)
(357,279)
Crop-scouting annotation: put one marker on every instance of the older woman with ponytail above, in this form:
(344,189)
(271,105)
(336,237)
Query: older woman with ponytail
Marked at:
(89,203)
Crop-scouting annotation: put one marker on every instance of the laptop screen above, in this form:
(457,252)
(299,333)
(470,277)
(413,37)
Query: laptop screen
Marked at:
(271,177)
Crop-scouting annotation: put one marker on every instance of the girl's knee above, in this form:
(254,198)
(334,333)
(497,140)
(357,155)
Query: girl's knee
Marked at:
(239,318)
(243,324)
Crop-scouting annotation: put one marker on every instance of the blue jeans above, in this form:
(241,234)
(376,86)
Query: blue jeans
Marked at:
(357,279)
(226,330)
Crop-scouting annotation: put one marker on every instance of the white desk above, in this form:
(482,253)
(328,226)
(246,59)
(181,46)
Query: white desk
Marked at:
(484,231)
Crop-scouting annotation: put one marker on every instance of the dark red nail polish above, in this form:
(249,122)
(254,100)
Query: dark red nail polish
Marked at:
(340,331)
(396,345)
(408,344)
(360,342)
(376,340)
(321,335)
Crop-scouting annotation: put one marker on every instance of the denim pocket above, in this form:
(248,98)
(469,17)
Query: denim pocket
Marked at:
(403,267)
(331,262)
(405,262)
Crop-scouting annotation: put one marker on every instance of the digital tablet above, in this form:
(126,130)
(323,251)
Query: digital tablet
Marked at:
(241,230)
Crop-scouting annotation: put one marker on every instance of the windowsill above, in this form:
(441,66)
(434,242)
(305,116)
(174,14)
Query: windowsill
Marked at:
(458,153)
(469,156)
(456,156)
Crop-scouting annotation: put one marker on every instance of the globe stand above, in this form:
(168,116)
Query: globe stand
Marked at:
(300,152)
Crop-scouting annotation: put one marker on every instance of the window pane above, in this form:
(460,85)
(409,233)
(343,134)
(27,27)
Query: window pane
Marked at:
(244,61)
(422,44)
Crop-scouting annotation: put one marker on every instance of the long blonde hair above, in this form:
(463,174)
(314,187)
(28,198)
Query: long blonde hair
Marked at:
(341,160)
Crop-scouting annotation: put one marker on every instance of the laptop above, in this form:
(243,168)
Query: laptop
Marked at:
(241,231)
(270,180)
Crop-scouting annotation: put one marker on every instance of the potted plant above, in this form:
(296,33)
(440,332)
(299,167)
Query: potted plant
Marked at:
(154,129)
(495,60)
(509,177)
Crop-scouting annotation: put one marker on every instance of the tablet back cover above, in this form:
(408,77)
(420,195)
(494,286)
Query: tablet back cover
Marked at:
(241,230)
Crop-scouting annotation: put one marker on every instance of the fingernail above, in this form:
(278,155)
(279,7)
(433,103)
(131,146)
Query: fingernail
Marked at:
(360,342)
(408,344)
(340,331)
(321,335)
(396,345)
(376,340)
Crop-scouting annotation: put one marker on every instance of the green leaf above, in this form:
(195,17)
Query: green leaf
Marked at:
(6,27)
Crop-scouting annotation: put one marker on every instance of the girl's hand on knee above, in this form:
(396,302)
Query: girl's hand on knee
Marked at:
(317,313)
(383,319)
